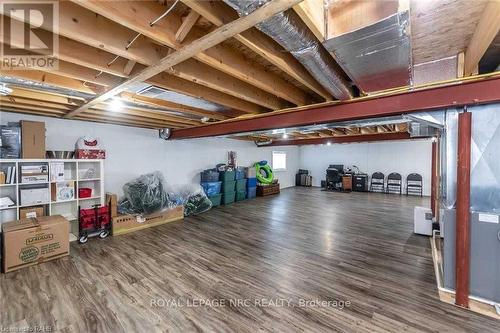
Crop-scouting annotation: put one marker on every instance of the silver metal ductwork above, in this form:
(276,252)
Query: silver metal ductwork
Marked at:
(292,34)
(378,56)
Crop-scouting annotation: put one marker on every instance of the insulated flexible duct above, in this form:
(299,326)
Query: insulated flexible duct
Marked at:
(288,30)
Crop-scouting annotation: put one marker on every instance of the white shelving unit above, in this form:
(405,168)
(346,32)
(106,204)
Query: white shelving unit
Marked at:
(84,174)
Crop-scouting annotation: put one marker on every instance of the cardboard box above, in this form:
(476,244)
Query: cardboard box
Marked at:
(128,223)
(31,212)
(29,242)
(112,200)
(2,177)
(32,139)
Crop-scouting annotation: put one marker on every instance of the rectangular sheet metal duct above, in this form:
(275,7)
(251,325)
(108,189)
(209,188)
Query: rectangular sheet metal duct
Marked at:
(376,57)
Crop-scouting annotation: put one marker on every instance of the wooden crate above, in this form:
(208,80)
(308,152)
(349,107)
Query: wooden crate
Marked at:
(265,190)
(124,224)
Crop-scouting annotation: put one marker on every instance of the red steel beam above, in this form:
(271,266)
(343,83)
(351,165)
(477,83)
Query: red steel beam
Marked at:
(342,139)
(462,241)
(485,90)
(433,177)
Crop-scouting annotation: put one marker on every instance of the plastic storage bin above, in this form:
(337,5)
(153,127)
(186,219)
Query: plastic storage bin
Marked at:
(229,186)
(228,197)
(240,195)
(210,175)
(211,188)
(251,182)
(251,172)
(251,192)
(227,176)
(216,199)
(240,173)
(241,185)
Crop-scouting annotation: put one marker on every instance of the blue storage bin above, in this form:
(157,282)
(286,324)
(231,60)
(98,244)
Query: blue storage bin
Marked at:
(211,188)
(240,173)
(251,192)
(209,175)
(251,182)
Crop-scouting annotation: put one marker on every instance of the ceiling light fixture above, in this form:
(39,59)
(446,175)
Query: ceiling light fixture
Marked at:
(328,143)
(285,136)
(116,104)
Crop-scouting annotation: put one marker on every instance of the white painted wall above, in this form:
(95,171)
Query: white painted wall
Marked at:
(404,157)
(131,152)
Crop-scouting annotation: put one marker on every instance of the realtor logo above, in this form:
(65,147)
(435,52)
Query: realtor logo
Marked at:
(29,35)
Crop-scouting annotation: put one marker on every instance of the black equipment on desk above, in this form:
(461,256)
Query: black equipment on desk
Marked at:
(334,177)
(360,183)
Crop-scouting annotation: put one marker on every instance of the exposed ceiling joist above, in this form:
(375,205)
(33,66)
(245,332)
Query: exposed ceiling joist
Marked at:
(342,139)
(189,88)
(45,96)
(186,26)
(136,15)
(156,102)
(213,38)
(51,79)
(312,13)
(99,32)
(218,14)
(486,30)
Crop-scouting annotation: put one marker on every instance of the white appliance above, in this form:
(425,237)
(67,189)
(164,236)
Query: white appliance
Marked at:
(422,221)
(34,196)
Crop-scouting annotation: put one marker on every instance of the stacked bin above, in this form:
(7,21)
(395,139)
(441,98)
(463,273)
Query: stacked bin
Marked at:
(241,184)
(212,186)
(228,182)
(251,175)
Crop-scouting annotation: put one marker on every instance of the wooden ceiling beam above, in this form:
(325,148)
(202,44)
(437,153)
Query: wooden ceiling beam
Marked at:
(45,96)
(312,13)
(133,115)
(75,52)
(170,82)
(186,26)
(51,79)
(219,14)
(33,102)
(28,110)
(148,113)
(122,118)
(486,30)
(195,71)
(161,103)
(213,38)
(99,32)
(136,15)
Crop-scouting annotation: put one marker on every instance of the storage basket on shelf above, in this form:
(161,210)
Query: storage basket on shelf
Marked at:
(84,192)
(226,176)
(240,195)
(210,175)
(215,199)
(241,185)
(211,188)
(228,197)
(229,186)
(251,192)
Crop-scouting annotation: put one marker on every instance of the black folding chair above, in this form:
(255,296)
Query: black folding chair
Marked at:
(394,183)
(377,182)
(414,184)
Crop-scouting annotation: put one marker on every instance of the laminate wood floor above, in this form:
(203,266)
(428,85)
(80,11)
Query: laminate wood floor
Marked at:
(262,264)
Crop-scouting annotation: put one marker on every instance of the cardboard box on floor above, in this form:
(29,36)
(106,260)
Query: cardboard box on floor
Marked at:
(29,242)
(128,223)
(112,201)
(30,212)
(32,139)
